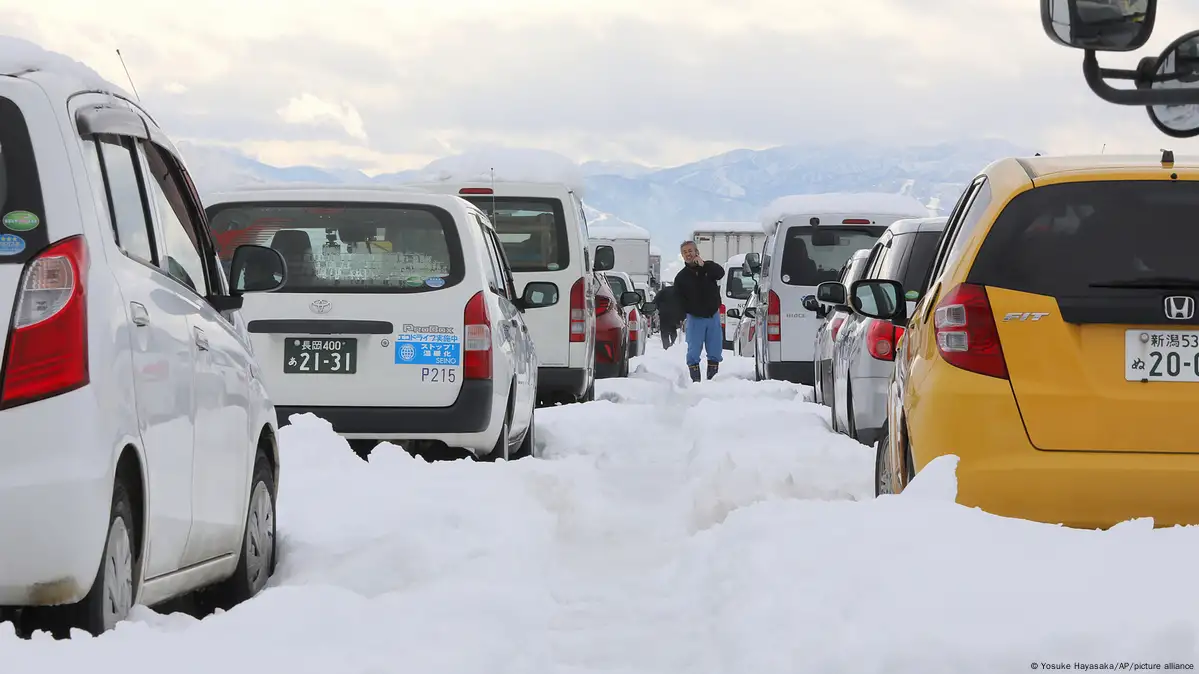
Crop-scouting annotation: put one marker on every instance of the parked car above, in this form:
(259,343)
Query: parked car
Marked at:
(543,231)
(141,459)
(809,239)
(612,330)
(400,319)
(736,287)
(832,319)
(1055,351)
(864,351)
(637,320)
(743,338)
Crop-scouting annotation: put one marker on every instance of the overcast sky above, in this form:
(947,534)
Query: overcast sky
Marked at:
(391,84)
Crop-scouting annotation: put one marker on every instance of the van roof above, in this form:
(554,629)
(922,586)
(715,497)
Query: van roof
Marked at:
(545,190)
(909,225)
(338,193)
(21,58)
(840,203)
(735,261)
(709,227)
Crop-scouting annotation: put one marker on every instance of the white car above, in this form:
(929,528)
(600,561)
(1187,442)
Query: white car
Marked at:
(743,337)
(544,232)
(399,319)
(736,287)
(141,458)
(622,283)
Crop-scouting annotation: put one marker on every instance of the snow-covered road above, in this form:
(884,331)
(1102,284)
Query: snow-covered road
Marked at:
(718,528)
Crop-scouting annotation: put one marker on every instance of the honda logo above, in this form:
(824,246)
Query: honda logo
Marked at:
(323,306)
(1180,308)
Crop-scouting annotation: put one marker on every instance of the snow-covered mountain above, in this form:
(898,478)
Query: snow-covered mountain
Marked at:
(668,201)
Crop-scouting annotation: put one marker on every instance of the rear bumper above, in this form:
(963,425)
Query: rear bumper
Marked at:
(570,380)
(606,370)
(794,371)
(470,413)
(607,352)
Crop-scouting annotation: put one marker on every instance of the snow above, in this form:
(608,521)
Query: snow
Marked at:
(670,528)
(750,227)
(865,203)
(654,250)
(511,165)
(19,56)
(601,225)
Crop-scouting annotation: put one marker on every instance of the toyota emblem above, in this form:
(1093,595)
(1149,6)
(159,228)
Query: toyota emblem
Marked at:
(321,306)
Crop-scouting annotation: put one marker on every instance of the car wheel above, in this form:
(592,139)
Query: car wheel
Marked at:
(500,451)
(883,471)
(589,394)
(259,554)
(851,426)
(528,446)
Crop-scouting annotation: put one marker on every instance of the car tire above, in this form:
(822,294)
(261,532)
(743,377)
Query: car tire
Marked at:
(528,446)
(259,552)
(589,394)
(883,471)
(500,451)
(851,426)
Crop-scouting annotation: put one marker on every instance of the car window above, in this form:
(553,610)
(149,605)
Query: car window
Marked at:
(1073,239)
(740,285)
(618,286)
(951,227)
(505,266)
(531,230)
(347,247)
(23,233)
(969,222)
(892,264)
(184,253)
(123,184)
(919,263)
(812,255)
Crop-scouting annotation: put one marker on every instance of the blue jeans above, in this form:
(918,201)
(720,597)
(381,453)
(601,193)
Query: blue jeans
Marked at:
(704,334)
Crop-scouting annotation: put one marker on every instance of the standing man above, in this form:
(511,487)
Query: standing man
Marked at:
(670,315)
(698,288)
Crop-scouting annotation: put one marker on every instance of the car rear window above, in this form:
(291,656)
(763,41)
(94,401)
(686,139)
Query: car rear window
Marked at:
(22,211)
(813,255)
(617,285)
(740,286)
(347,247)
(910,260)
(1080,239)
(532,231)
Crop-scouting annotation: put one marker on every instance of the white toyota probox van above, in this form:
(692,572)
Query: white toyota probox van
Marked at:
(544,232)
(808,239)
(399,319)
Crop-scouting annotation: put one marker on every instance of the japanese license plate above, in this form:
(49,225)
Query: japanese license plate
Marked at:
(1161,355)
(304,355)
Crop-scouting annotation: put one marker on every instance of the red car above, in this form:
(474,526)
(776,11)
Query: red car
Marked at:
(611,331)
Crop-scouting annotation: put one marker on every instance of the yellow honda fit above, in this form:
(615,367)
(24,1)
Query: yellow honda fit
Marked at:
(1056,350)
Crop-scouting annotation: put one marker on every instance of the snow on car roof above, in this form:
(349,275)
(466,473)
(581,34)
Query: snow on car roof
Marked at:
(866,203)
(19,56)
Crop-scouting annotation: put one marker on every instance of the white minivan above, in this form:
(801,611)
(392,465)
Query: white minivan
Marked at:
(808,239)
(735,288)
(399,319)
(140,452)
(544,232)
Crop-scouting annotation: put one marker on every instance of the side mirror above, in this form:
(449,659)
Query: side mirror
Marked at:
(630,298)
(831,292)
(733,313)
(538,294)
(879,298)
(810,303)
(605,258)
(752,264)
(1177,68)
(751,312)
(1099,25)
(256,269)
(649,308)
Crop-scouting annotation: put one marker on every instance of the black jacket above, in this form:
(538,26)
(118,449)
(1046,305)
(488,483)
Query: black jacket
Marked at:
(670,312)
(698,289)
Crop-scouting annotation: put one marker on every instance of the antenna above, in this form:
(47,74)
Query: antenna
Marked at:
(129,77)
(1103,149)
(494,212)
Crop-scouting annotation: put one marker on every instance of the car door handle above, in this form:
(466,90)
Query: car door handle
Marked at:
(201,340)
(138,314)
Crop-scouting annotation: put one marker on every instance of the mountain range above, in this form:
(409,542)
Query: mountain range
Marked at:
(733,186)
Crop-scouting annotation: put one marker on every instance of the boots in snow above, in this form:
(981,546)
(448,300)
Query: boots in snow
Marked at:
(713,368)
(694,372)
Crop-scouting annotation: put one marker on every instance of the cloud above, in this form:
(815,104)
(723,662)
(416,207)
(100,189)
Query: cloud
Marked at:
(386,85)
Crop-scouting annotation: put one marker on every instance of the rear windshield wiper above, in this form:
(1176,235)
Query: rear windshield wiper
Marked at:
(1157,282)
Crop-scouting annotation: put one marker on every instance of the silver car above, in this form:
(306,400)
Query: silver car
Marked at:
(864,350)
(834,316)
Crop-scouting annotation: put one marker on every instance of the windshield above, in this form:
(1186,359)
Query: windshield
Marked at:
(532,231)
(740,286)
(813,255)
(343,247)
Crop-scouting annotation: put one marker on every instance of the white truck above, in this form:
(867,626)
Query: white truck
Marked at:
(721,240)
(629,242)
(655,265)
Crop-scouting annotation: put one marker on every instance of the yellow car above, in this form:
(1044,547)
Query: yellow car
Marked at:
(1056,350)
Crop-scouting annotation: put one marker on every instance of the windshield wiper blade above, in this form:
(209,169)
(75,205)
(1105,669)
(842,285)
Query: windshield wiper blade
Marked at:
(1157,282)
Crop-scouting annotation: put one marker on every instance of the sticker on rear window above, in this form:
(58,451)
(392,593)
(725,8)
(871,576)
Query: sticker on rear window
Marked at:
(11,244)
(428,349)
(20,221)
(434,281)
(414,281)
(912,295)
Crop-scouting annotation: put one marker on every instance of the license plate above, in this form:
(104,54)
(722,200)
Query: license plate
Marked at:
(302,355)
(1161,355)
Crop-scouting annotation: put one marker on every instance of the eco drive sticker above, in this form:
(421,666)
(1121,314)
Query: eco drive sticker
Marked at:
(11,244)
(428,345)
(20,221)
(434,281)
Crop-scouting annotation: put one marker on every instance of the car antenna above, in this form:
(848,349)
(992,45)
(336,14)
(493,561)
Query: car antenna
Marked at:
(129,77)
(494,213)
(1103,149)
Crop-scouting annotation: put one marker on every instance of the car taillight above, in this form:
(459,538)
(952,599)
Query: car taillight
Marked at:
(967,337)
(476,361)
(722,310)
(836,327)
(602,305)
(634,324)
(476,190)
(881,338)
(47,346)
(578,311)
(774,331)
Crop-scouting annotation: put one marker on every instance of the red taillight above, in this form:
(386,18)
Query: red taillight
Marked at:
(602,305)
(476,359)
(966,333)
(855,221)
(633,324)
(47,347)
(476,190)
(722,310)
(578,311)
(881,338)
(835,327)
(774,326)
